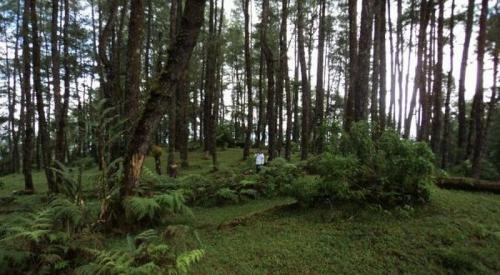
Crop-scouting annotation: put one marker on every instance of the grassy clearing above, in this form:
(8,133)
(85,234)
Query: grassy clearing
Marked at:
(457,232)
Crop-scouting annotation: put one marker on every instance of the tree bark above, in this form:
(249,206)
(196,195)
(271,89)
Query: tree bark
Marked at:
(26,88)
(419,73)
(248,74)
(363,70)
(462,125)
(479,113)
(438,81)
(306,93)
(320,92)
(449,84)
(42,122)
(284,72)
(133,65)
(60,147)
(353,55)
(270,110)
(179,54)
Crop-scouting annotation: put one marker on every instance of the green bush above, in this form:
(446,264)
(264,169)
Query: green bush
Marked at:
(276,175)
(388,170)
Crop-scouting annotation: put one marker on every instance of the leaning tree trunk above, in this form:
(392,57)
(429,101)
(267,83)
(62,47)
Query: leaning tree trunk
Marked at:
(479,113)
(179,54)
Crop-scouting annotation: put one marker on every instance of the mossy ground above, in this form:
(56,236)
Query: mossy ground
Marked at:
(457,232)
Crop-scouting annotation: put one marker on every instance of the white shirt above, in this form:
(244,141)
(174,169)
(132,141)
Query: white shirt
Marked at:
(259,159)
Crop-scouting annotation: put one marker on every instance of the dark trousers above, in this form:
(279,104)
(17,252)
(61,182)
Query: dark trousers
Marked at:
(258,168)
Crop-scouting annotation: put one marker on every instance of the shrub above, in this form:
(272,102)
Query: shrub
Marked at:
(389,170)
(276,175)
(305,189)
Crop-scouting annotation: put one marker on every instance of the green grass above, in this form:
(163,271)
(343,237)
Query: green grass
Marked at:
(457,232)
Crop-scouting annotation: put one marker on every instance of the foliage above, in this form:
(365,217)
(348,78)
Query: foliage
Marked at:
(277,174)
(154,209)
(156,151)
(47,240)
(147,254)
(389,171)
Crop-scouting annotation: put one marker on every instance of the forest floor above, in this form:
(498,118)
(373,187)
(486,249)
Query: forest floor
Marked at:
(457,232)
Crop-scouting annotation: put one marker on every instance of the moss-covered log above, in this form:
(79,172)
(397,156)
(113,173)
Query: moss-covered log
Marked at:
(469,184)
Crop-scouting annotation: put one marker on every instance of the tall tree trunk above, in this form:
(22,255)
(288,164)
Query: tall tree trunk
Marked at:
(284,72)
(353,55)
(55,59)
(210,75)
(462,127)
(219,60)
(392,100)
(179,54)
(306,93)
(133,65)
(419,72)
(438,81)
(26,87)
(363,71)
(60,148)
(320,92)
(399,61)
(479,113)
(271,118)
(376,64)
(42,122)
(383,69)
(406,128)
(493,98)
(426,81)
(20,125)
(449,85)
(248,74)
(172,102)
(296,120)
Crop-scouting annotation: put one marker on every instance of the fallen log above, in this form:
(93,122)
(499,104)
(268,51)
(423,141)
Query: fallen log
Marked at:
(471,184)
(245,218)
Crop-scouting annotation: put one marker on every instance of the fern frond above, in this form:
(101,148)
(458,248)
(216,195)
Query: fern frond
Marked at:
(185,260)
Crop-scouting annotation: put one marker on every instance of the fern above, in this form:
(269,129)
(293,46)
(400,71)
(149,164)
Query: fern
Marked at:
(138,208)
(185,260)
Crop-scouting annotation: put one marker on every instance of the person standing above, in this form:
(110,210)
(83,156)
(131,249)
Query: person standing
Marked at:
(259,161)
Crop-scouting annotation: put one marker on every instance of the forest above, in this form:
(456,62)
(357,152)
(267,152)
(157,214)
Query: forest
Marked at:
(132,131)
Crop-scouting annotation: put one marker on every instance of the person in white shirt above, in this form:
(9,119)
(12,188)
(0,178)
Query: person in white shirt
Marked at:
(260,159)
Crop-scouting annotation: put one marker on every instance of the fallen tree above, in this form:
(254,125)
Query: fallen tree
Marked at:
(472,184)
